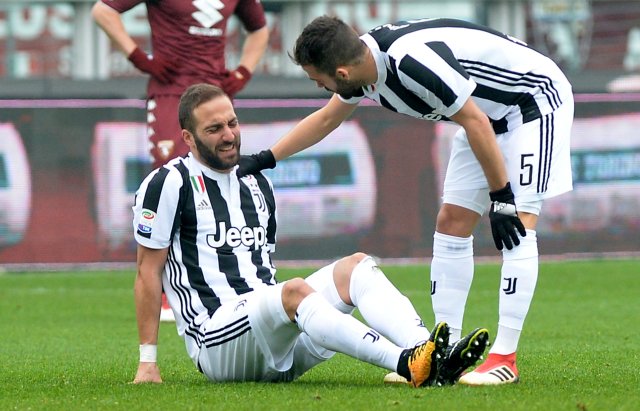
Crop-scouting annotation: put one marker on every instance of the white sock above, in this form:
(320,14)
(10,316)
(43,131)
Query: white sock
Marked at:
(506,341)
(335,331)
(385,308)
(517,285)
(451,277)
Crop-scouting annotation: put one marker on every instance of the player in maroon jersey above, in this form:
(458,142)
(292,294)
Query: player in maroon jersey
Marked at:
(188,40)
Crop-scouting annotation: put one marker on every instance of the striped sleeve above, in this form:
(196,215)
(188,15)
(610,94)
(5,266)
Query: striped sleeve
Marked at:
(155,208)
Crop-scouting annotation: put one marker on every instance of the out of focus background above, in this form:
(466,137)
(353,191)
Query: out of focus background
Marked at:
(73,145)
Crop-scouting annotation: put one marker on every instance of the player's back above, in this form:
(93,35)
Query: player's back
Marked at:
(514,81)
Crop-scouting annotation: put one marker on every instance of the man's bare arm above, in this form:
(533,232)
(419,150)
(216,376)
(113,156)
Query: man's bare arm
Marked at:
(110,22)
(148,298)
(482,140)
(313,128)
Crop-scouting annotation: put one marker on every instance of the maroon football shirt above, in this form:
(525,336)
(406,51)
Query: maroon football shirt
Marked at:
(193,33)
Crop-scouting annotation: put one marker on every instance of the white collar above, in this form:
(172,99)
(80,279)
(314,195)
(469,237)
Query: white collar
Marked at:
(210,173)
(378,57)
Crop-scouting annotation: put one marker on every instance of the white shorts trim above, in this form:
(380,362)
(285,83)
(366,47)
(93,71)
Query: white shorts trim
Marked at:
(478,201)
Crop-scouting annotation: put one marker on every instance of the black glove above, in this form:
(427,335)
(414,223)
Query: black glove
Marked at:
(255,163)
(504,218)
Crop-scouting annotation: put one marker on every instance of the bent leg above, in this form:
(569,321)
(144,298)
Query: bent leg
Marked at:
(336,331)
(382,305)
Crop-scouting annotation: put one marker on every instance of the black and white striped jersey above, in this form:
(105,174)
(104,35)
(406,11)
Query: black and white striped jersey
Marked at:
(429,68)
(220,231)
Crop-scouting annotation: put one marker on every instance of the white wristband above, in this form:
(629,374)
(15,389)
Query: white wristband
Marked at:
(148,352)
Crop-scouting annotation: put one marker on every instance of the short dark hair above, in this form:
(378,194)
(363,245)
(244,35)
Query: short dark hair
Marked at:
(327,43)
(193,97)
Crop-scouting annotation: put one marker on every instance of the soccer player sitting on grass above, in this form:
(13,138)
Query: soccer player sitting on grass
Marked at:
(207,235)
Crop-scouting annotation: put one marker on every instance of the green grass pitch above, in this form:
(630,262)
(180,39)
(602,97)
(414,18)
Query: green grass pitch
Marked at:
(68,341)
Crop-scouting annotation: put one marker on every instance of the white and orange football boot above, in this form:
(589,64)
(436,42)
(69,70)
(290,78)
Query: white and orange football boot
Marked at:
(498,369)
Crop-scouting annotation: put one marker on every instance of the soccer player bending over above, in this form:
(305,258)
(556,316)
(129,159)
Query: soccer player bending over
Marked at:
(515,107)
(207,236)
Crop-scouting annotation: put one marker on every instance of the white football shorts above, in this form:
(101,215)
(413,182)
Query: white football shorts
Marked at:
(273,348)
(537,157)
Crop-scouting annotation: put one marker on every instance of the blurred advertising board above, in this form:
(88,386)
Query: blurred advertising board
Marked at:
(15,187)
(86,158)
(69,170)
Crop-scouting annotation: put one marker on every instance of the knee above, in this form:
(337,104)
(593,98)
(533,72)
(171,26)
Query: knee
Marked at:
(355,258)
(344,267)
(293,292)
(342,274)
(456,221)
(295,288)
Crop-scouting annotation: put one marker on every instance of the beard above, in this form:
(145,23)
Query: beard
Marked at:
(347,87)
(212,159)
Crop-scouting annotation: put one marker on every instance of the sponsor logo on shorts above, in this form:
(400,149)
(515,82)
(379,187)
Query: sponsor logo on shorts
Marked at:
(165,148)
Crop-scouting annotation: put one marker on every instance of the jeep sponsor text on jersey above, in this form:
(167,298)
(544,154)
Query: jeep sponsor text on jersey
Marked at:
(255,237)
